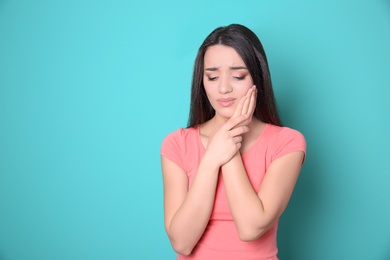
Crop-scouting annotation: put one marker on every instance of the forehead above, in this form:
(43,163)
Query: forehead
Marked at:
(222,55)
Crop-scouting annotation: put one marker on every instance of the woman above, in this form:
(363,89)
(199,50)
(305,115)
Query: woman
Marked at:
(229,175)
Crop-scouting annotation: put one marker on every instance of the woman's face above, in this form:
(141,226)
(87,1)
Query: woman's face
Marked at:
(226,79)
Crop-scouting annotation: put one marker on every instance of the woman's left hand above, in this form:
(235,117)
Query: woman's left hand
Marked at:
(247,106)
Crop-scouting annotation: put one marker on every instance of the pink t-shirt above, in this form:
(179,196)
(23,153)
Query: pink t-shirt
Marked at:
(220,239)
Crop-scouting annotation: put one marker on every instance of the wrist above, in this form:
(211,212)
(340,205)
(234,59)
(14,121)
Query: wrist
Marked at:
(234,159)
(210,162)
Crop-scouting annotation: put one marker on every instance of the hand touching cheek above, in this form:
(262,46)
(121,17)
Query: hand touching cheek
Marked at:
(247,106)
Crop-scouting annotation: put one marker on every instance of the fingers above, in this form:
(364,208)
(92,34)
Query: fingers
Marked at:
(248,99)
(239,131)
(252,103)
(237,139)
(234,121)
(249,103)
(240,106)
(244,110)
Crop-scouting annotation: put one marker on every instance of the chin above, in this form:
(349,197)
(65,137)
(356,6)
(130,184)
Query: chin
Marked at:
(224,116)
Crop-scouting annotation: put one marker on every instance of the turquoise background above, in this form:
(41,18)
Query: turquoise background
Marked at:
(88,90)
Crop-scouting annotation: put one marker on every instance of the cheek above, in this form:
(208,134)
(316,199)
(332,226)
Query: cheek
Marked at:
(243,87)
(208,92)
(209,88)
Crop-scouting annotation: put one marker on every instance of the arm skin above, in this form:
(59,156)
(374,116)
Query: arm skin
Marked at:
(187,211)
(254,213)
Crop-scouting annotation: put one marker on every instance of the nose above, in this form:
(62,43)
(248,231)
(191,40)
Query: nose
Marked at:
(224,86)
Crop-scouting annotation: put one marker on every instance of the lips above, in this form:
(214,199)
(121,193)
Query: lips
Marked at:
(226,102)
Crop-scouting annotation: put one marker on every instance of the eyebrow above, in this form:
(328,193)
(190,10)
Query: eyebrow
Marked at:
(231,68)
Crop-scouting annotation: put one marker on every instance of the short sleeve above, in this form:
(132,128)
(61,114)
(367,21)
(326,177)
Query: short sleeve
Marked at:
(289,140)
(171,148)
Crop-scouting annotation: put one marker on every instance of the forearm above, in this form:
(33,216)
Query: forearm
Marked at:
(245,205)
(191,219)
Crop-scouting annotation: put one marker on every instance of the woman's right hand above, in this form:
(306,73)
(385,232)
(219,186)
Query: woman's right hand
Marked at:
(225,142)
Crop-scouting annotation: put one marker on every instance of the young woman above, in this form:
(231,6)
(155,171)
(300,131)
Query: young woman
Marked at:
(229,175)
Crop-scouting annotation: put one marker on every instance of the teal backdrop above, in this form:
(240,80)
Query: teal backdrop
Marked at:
(88,90)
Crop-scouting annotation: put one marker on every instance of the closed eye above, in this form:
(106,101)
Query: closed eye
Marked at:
(212,78)
(240,78)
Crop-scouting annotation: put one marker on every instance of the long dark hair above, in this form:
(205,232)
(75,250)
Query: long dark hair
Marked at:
(250,49)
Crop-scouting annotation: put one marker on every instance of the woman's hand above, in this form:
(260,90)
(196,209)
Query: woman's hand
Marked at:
(224,143)
(247,106)
(226,140)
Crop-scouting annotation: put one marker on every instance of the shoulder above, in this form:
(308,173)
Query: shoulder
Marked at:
(180,134)
(284,133)
(178,146)
(179,138)
(285,140)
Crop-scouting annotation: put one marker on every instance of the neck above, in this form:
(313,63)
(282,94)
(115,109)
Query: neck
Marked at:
(216,121)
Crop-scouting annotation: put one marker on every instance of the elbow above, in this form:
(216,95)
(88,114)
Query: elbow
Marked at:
(250,236)
(182,251)
(252,233)
(181,244)
(181,248)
